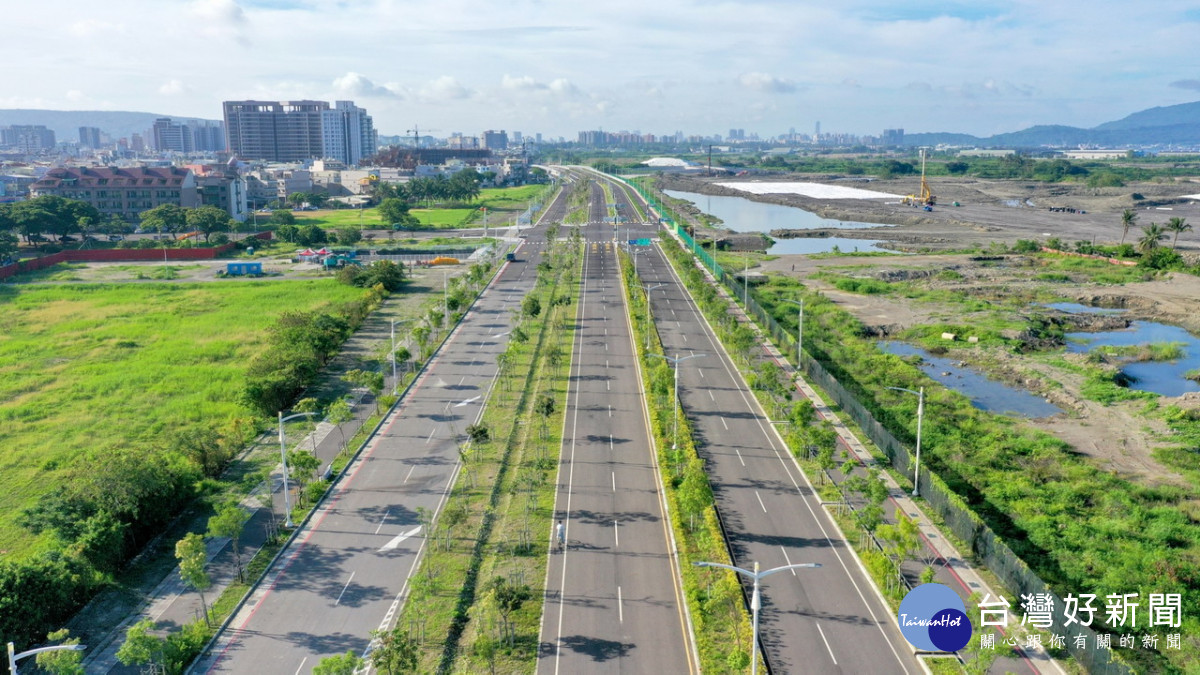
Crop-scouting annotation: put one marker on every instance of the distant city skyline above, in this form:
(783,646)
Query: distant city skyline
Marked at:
(697,66)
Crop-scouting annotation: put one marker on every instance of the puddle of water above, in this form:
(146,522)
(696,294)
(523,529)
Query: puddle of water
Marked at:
(1160,377)
(985,393)
(743,215)
(1076,308)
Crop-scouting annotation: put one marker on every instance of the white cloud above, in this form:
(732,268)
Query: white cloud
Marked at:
(767,84)
(76,96)
(356,84)
(220,19)
(524,83)
(443,89)
(172,88)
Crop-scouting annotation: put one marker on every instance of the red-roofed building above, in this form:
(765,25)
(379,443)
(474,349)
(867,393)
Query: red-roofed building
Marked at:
(121,192)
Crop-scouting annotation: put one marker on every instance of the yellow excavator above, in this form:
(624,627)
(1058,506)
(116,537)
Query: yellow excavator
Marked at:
(926,198)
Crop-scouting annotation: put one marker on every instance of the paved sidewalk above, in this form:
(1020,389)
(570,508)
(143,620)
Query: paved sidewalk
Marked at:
(952,568)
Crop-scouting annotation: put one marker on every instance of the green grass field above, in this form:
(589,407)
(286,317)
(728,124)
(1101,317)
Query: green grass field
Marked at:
(106,366)
(503,205)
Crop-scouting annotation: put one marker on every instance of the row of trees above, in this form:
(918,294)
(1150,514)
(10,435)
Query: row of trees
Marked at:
(36,218)
(464,186)
(172,219)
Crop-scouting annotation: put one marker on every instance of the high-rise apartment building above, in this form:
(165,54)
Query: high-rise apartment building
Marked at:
(495,140)
(348,134)
(29,139)
(89,137)
(276,131)
(294,131)
(188,137)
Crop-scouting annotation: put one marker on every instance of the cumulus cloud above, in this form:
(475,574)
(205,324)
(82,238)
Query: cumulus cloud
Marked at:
(564,87)
(1193,85)
(220,19)
(171,88)
(444,88)
(524,83)
(356,84)
(767,84)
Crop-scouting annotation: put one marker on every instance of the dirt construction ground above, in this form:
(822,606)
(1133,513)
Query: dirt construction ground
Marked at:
(1118,436)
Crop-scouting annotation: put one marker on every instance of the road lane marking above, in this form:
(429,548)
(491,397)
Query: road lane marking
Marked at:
(614,481)
(301,665)
(739,454)
(620,606)
(760,501)
(384,519)
(399,538)
(410,472)
(789,560)
(608,385)
(339,600)
(464,379)
(723,424)
(710,396)
(468,401)
(431,432)
(616,534)
(701,373)
(610,410)
(826,644)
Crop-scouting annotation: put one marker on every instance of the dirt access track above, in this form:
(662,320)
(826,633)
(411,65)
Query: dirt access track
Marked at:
(1118,436)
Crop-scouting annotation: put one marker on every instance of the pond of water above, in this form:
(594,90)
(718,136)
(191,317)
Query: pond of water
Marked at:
(985,393)
(743,215)
(1161,377)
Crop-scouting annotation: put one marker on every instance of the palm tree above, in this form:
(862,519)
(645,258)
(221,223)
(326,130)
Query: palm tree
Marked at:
(1128,219)
(1177,225)
(1151,235)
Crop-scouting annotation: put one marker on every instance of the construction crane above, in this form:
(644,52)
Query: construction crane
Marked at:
(926,198)
(416,132)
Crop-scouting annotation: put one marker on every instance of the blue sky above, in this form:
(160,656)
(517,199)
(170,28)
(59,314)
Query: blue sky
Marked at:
(698,66)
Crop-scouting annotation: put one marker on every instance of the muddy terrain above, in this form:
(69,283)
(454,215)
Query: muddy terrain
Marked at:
(989,210)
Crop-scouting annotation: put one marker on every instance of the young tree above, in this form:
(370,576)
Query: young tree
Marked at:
(230,521)
(396,651)
(1128,220)
(282,217)
(394,213)
(193,556)
(140,647)
(1151,237)
(531,306)
(508,598)
(337,414)
(62,661)
(302,465)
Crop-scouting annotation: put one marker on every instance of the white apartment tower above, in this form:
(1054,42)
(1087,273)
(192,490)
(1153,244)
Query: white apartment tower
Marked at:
(348,133)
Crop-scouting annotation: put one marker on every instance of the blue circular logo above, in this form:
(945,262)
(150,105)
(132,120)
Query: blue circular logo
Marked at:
(932,617)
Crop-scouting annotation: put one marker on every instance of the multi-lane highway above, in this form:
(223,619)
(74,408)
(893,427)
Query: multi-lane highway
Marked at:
(826,620)
(613,601)
(346,573)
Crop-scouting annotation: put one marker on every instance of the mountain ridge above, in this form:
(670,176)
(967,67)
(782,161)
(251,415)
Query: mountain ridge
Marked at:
(1163,125)
(66,123)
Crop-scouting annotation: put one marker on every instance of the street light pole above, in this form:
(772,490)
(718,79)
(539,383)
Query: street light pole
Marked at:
(799,332)
(648,289)
(13,657)
(287,505)
(395,382)
(920,416)
(676,360)
(756,598)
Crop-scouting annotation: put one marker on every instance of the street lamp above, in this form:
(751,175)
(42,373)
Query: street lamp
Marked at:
(799,332)
(676,360)
(648,289)
(13,657)
(756,598)
(287,505)
(920,415)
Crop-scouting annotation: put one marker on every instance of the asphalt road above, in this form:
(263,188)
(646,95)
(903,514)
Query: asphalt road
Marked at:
(346,573)
(827,620)
(613,601)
